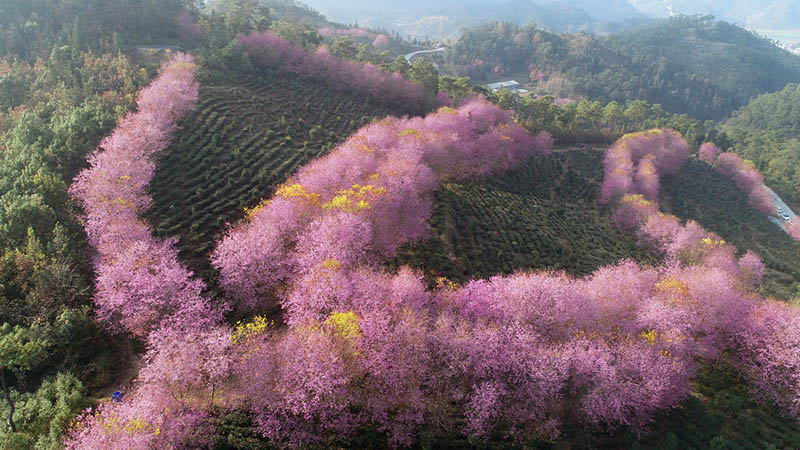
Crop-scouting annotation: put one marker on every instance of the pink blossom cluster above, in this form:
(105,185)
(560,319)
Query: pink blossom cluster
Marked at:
(140,283)
(708,152)
(444,99)
(762,334)
(633,168)
(521,355)
(269,50)
(793,228)
(637,161)
(381,41)
(744,173)
(769,354)
(618,345)
(535,74)
(477,68)
(329,32)
(370,195)
(181,381)
(366,361)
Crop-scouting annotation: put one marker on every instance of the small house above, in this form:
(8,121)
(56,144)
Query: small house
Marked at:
(512,86)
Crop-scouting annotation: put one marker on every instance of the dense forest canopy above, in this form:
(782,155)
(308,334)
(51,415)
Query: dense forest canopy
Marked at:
(778,112)
(28,28)
(688,64)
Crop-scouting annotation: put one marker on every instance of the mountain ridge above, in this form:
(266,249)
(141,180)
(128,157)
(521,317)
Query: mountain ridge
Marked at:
(759,14)
(419,19)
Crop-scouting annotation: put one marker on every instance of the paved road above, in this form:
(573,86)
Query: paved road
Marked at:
(413,54)
(780,203)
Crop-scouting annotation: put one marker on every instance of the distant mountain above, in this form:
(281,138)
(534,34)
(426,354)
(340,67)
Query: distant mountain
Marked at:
(759,14)
(779,14)
(605,10)
(445,18)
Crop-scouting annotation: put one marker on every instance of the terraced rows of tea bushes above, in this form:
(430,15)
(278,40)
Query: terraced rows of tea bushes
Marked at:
(713,200)
(242,140)
(719,415)
(543,214)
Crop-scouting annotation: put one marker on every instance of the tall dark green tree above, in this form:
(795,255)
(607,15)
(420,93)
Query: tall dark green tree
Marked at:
(20,350)
(424,74)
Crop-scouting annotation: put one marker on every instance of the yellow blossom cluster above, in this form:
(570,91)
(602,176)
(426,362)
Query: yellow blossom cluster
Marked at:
(713,243)
(673,286)
(344,324)
(637,198)
(132,426)
(297,191)
(652,337)
(245,331)
(250,213)
(331,264)
(355,199)
(123,202)
(409,131)
(446,284)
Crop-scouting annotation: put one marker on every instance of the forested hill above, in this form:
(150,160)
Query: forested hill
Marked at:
(694,65)
(767,132)
(30,28)
(294,10)
(778,112)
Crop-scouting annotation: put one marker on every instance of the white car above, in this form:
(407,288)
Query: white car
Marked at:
(785,216)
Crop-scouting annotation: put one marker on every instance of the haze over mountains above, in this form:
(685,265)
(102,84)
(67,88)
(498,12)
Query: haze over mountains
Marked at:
(444,19)
(768,14)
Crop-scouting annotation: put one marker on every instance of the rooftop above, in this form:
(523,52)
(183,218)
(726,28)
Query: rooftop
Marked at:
(503,85)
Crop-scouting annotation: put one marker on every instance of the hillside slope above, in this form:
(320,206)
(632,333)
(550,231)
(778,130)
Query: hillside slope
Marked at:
(244,138)
(713,200)
(545,215)
(247,136)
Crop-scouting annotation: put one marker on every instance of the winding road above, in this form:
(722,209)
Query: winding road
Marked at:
(779,203)
(413,54)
